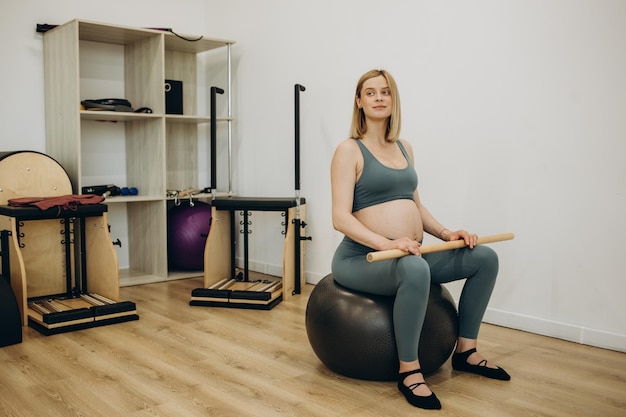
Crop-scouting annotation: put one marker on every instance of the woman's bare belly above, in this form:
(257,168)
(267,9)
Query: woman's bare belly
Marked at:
(393,219)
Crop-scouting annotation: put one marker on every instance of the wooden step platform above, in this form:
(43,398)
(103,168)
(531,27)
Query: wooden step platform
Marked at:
(258,293)
(53,315)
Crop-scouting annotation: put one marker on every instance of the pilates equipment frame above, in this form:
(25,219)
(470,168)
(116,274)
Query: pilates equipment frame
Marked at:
(61,262)
(224,286)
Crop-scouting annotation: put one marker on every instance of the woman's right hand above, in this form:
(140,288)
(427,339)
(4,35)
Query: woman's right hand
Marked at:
(406,244)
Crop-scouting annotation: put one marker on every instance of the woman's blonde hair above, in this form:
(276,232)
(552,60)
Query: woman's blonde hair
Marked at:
(359,125)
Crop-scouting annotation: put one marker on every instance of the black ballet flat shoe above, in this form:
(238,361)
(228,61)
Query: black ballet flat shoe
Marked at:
(430,402)
(459,363)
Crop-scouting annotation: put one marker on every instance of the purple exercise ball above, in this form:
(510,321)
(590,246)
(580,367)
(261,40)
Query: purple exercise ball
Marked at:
(187,231)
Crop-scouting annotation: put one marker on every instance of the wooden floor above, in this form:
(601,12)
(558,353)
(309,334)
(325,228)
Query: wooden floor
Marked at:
(180,361)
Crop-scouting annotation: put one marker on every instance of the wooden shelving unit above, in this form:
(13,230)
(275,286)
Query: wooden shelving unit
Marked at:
(156,146)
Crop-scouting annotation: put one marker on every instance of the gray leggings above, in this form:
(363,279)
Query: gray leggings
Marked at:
(409,278)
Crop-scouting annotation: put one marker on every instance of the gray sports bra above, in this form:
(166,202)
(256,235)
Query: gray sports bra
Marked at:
(379,183)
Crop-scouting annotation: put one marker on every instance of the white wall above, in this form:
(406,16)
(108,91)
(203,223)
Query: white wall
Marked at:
(516,112)
(515,109)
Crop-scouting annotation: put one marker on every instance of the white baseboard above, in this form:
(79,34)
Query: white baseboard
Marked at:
(578,334)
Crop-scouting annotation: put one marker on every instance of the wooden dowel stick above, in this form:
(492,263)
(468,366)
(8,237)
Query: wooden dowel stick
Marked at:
(436,247)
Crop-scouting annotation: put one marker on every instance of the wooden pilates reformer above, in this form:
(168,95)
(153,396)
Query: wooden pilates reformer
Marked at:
(60,261)
(225,285)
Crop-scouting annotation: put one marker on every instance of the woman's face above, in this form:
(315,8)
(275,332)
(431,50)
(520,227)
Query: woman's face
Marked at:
(375,98)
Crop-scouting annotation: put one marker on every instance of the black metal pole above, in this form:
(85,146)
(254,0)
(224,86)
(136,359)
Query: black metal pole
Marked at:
(246,263)
(297,89)
(4,252)
(214,91)
(298,235)
(67,241)
(233,245)
(83,253)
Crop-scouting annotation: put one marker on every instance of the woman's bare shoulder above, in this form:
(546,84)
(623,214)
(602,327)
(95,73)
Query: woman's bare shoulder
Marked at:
(406,144)
(347,154)
(346,147)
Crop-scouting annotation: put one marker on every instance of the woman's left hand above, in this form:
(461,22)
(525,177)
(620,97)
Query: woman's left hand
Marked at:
(469,238)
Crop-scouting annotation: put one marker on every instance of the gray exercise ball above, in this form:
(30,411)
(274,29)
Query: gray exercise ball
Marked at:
(351,332)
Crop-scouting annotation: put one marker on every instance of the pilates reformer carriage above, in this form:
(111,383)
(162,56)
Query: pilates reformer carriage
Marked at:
(61,262)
